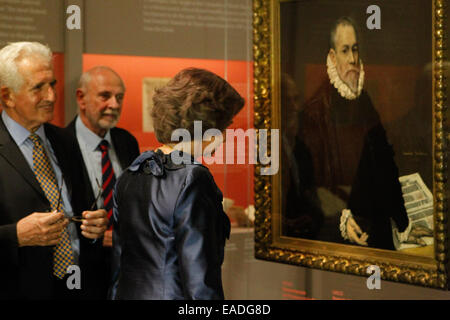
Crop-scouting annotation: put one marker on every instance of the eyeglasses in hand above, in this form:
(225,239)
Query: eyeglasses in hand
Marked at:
(80,218)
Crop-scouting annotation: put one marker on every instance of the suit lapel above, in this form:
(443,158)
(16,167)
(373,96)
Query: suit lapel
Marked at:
(88,192)
(71,127)
(121,151)
(12,154)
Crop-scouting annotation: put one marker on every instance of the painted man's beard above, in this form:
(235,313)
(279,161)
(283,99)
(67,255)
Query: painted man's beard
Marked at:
(351,79)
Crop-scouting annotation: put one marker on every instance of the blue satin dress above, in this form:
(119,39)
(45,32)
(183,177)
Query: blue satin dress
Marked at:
(169,230)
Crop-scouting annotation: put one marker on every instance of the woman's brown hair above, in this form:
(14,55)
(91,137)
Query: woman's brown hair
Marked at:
(194,95)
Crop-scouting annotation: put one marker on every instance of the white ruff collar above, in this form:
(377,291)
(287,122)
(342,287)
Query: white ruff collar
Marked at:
(343,89)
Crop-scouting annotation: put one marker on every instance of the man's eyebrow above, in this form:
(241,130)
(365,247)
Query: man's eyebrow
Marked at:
(37,85)
(40,84)
(109,93)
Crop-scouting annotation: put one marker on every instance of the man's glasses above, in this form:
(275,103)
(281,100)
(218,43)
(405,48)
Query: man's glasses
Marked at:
(80,218)
(59,201)
(99,187)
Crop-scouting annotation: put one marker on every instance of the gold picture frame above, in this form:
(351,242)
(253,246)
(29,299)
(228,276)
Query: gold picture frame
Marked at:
(271,244)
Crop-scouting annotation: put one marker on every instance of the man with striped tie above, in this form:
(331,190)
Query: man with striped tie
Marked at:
(105,149)
(39,187)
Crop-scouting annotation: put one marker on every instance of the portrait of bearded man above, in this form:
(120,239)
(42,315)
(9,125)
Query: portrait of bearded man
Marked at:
(343,181)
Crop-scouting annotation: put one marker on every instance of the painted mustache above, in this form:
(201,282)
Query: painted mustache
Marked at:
(352,70)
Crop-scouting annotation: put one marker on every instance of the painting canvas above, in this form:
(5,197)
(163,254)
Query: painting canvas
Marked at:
(356,91)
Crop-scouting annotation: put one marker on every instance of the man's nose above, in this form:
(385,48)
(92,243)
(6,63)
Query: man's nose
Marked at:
(113,103)
(51,94)
(352,57)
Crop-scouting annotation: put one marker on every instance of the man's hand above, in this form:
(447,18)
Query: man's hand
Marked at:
(94,223)
(355,233)
(41,229)
(107,239)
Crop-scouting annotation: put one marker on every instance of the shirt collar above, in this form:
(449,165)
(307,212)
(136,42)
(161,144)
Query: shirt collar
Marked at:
(19,133)
(91,139)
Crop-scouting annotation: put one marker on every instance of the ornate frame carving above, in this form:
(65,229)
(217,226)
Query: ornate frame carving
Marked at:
(269,245)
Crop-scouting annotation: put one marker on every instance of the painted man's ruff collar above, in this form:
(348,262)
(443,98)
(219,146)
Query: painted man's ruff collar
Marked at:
(340,86)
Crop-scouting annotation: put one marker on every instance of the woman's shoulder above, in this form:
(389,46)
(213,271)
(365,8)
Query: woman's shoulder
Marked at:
(196,172)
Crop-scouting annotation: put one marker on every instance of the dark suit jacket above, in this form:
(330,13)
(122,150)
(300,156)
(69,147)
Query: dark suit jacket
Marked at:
(127,149)
(26,272)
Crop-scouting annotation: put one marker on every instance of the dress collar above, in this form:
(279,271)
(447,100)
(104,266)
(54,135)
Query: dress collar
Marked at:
(156,162)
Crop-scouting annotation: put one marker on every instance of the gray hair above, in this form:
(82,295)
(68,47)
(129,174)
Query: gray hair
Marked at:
(342,21)
(13,53)
(86,77)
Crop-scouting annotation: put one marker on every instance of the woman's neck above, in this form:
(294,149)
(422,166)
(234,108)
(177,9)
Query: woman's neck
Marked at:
(189,147)
(166,149)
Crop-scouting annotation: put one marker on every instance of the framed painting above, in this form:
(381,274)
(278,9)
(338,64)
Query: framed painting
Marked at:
(357,93)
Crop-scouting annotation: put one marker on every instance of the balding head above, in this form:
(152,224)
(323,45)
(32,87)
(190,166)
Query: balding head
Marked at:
(341,22)
(86,77)
(100,96)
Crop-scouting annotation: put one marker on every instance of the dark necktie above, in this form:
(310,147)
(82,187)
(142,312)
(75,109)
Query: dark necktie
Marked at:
(108,179)
(62,253)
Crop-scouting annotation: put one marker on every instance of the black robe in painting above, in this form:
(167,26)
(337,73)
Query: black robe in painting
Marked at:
(341,159)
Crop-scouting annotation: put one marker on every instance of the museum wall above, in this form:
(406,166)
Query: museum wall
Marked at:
(149,41)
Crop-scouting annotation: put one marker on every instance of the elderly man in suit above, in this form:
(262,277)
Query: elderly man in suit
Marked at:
(40,188)
(105,149)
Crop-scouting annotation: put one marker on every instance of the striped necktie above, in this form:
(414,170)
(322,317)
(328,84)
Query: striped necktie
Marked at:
(108,179)
(62,252)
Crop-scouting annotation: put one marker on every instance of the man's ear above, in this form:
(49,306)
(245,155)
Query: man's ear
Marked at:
(80,98)
(7,96)
(332,55)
